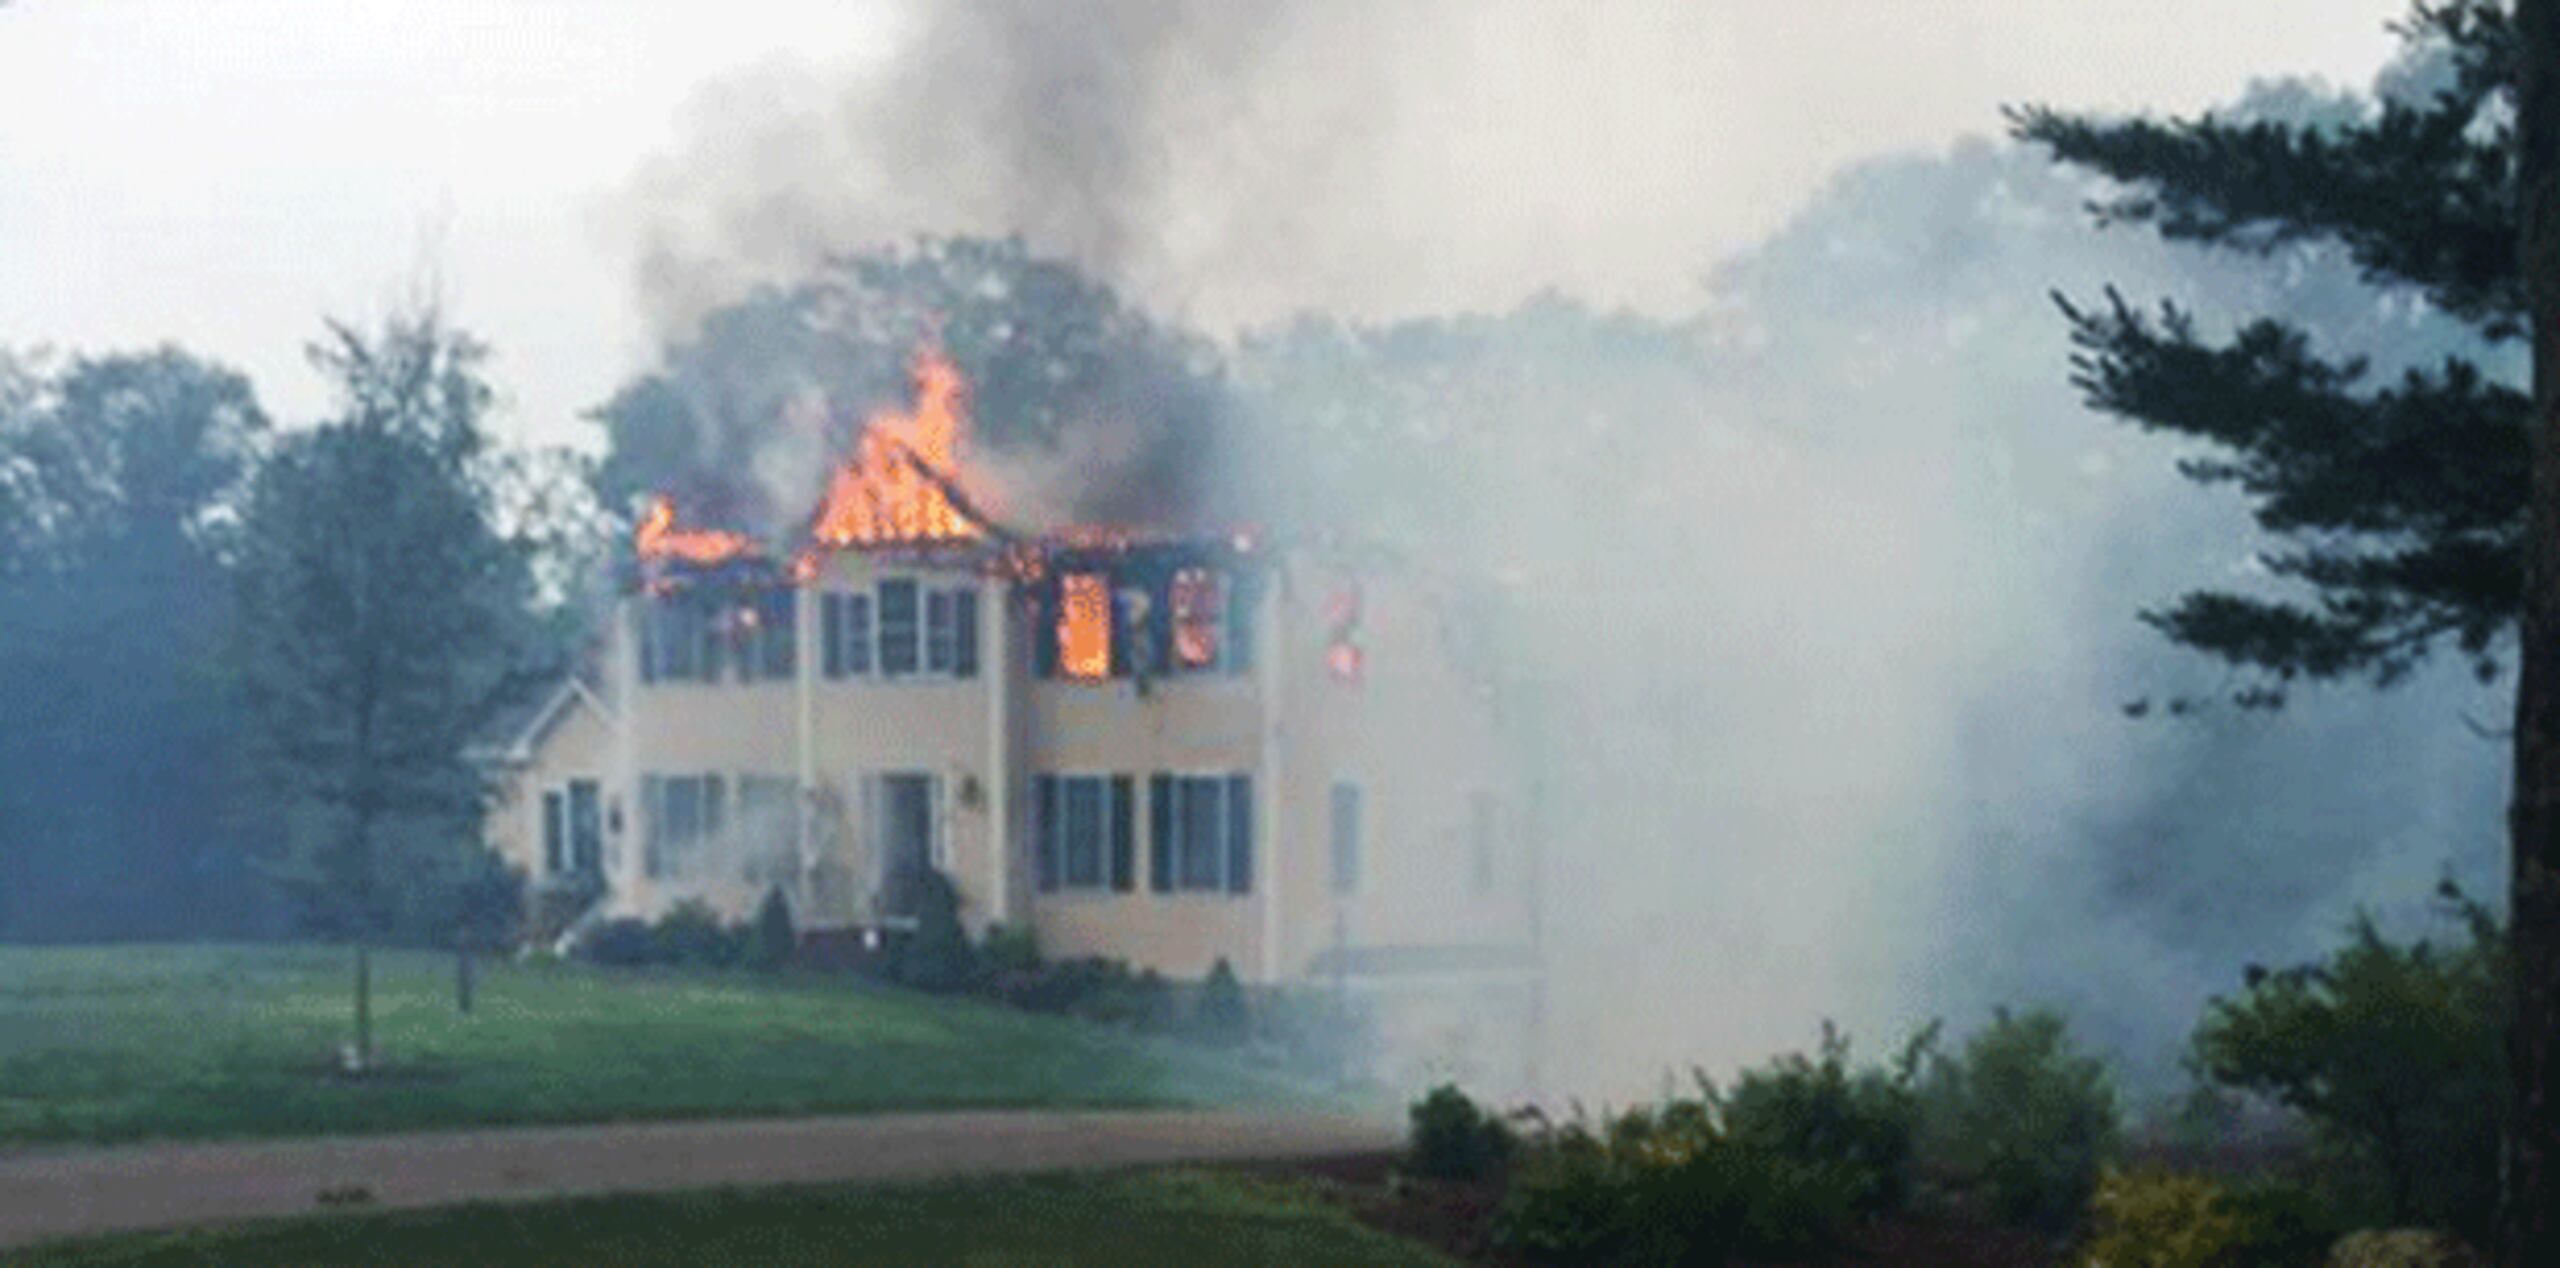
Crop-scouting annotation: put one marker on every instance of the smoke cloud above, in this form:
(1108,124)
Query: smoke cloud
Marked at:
(1819,579)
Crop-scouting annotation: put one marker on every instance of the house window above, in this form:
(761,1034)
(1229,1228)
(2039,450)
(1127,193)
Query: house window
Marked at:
(777,633)
(769,827)
(586,827)
(1085,830)
(1483,834)
(1199,602)
(1084,626)
(951,632)
(679,641)
(1346,838)
(845,632)
(1202,828)
(680,813)
(899,627)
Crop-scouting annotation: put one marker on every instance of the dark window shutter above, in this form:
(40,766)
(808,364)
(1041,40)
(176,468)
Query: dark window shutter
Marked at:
(712,789)
(1239,834)
(1242,588)
(1124,834)
(857,634)
(831,633)
(1160,833)
(1045,829)
(1044,635)
(964,620)
(1160,624)
(1120,632)
(555,833)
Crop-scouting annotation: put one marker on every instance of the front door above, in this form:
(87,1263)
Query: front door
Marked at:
(905,835)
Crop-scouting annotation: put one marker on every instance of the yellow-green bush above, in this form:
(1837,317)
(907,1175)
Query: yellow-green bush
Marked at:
(2161,1219)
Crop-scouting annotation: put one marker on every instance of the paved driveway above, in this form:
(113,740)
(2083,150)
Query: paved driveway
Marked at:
(72,1192)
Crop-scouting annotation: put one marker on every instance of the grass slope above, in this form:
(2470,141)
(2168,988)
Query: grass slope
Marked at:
(1197,1219)
(118,1043)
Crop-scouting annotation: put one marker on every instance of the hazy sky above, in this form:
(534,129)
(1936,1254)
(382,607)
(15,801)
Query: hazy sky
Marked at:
(221,172)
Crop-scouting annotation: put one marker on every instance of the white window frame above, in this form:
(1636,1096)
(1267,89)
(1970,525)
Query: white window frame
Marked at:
(1218,779)
(1100,886)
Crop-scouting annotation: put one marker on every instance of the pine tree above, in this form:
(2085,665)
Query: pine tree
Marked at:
(2420,515)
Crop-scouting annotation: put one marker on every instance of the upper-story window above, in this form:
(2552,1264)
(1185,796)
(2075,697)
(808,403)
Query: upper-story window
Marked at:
(699,637)
(1143,622)
(901,629)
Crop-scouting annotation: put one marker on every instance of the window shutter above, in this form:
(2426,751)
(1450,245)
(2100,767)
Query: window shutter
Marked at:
(1120,632)
(555,834)
(1045,829)
(857,634)
(1242,590)
(831,633)
(1124,833)
(1160,625)
(964,650)
(647,623)
(712,788)
(1160,832)
(652,823)
(1044,639)
(1239,834)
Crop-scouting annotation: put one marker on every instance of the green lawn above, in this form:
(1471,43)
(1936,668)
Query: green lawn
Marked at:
(119,1043)
(1197,1219)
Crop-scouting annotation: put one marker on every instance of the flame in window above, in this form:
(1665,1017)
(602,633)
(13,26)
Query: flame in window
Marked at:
(1084,626)
(1199,610)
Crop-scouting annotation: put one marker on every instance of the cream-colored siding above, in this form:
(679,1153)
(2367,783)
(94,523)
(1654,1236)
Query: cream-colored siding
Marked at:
(1416,734)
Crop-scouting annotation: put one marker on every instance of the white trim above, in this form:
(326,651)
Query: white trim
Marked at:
(995,664)
(1102,888)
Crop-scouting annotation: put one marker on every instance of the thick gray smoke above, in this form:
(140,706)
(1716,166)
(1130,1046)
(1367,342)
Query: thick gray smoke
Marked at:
(1821,594)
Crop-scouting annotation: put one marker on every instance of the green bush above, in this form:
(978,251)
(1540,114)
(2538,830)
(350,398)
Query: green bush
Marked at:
(2395,1052)
(1452,1138)
(619,943)
(773,938)
(1819,1113)
(1665,1186)
(1221,1016)
(692,936)
(1009,949)
(2163,1219)
(2020,1120)
(936,955)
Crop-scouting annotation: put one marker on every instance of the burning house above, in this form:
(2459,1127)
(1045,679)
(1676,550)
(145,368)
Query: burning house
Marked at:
(1160,748)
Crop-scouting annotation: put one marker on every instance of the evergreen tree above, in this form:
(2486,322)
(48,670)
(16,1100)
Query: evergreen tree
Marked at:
(2419,515)
(379,614)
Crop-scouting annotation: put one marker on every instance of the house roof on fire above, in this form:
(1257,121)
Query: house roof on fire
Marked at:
(520,721)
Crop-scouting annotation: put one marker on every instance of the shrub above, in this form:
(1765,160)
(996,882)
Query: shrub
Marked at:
(2394,1051)
(1664,1186)
(620,943)
(1452,1138)
(1221,1016)
(2163,1219)
(1009,949)
(772,939)
(2020,1119)
(692,936)
(1819,1113)
(937,955)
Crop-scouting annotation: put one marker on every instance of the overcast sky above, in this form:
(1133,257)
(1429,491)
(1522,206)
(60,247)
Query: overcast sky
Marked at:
(222,172)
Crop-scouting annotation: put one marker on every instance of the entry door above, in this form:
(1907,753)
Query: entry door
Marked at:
(904,811)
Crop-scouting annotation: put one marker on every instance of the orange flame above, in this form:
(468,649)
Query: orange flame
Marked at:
(1084,626)
(657,537)
(896,487)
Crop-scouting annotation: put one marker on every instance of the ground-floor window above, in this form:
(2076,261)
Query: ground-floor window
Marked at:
(1201,833)
(678,814)
(1084,830)
(573,829)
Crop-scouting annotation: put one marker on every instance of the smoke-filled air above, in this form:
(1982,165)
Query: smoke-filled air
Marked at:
(1317,631)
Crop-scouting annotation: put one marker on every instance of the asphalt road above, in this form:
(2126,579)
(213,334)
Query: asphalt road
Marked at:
(66,1193)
